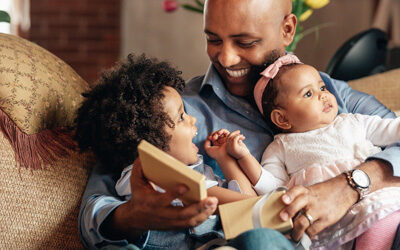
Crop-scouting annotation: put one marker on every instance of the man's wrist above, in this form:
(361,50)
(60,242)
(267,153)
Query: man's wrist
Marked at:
(116,226)
(350,195)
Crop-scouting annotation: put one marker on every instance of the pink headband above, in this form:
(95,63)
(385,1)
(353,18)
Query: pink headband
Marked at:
(268,74)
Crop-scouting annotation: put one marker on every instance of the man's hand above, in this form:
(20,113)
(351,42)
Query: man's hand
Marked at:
(150,210)
(327,202)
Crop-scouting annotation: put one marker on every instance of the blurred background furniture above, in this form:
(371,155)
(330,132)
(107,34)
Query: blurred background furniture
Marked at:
(370,51)
(362,55)
(387,18)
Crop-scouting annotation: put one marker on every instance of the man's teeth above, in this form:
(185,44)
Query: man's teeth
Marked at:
(237,73)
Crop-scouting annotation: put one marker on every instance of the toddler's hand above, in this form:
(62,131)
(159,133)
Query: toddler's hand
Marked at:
(215,144)
(218,137)
(235,145)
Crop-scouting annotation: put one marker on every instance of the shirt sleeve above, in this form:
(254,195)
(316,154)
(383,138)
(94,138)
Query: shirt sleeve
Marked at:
(98,202)
(353,101)
(273,171)
(380,132)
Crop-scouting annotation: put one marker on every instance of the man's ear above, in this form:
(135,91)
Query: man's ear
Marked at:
(288,29)
(278,117)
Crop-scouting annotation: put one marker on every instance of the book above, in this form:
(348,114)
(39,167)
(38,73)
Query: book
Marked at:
(167,172)
(237,217)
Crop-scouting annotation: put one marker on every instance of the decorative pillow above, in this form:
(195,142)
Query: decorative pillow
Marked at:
(39,95)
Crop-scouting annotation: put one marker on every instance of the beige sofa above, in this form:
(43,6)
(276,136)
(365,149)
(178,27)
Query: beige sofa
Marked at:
(39,95)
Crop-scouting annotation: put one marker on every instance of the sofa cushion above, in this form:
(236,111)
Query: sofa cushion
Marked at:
(39,96)
(37,89)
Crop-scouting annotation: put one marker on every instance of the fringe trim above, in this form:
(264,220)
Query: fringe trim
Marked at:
(37,150)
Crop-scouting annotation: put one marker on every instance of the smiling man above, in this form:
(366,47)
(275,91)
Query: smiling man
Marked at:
(242,37)
(244,34)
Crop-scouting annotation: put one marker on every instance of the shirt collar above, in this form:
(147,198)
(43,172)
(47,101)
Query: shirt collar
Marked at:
(239,104)
(212,78)
(199,165)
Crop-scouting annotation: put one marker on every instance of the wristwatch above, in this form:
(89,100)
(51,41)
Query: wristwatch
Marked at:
(359,181)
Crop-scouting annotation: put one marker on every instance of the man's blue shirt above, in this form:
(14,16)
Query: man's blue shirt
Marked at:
(215,107)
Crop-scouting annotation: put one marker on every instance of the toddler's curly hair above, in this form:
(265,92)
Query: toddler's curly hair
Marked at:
(124,107)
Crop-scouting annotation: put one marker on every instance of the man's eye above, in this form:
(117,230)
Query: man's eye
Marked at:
(213,41)
(308,94)
(246,44)
(323,88)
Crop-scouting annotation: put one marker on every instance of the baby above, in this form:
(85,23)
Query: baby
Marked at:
(315,144)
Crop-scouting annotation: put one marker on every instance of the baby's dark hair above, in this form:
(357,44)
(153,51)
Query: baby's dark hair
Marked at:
(270,94)
(124,107)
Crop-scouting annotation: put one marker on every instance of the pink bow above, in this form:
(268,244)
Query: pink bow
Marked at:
(268,74)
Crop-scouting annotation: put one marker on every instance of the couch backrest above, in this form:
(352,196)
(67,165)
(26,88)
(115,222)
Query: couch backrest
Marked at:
(385,87)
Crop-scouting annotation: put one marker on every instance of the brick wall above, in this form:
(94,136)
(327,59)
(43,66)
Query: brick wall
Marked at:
(84,33)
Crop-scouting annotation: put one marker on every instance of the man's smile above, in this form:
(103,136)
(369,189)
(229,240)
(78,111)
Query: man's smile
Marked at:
(237,73)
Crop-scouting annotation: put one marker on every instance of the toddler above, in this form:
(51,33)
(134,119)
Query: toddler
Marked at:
(316,144)
(139,100)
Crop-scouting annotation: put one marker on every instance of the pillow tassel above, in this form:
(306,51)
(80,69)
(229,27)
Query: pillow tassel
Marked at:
(37,150)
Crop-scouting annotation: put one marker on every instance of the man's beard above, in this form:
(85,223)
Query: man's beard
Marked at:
(257,69)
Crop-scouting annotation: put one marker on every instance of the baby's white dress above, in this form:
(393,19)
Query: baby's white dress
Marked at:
(318,155)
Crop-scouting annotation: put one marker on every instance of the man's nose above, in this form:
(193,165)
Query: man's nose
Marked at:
(228,56)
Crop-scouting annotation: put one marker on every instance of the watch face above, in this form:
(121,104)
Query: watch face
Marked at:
(360,178)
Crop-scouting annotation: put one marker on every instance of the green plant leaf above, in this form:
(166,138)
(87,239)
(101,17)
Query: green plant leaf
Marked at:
(296,39)
(299,8)
(200,3)
(317,28)
(192,8)
(4,17)
(300,34)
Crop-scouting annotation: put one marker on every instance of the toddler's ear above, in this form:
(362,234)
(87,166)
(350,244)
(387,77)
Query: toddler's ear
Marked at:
(278,117)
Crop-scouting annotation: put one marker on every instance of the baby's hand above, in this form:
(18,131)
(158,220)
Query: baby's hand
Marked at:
(215,144)
(235,145)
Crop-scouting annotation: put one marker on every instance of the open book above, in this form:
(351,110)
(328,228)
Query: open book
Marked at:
(243,215)
(166,172)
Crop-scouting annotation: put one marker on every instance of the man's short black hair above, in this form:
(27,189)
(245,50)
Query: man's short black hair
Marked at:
(124,107)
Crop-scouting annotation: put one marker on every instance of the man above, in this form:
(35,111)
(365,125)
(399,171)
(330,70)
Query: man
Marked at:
(242,35)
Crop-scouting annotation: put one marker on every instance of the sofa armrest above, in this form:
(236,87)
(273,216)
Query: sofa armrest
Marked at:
(385,87)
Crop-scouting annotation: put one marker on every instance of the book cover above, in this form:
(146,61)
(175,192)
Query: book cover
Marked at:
(166,172)
(237,217)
